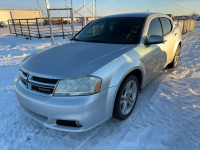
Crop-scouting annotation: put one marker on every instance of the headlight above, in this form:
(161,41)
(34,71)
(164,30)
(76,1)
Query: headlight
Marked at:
(78,86)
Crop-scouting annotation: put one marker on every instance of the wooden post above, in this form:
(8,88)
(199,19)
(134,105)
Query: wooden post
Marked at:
(38,28)
(14,27)
(20,27)
(62,28)
(9,26)
(28,29)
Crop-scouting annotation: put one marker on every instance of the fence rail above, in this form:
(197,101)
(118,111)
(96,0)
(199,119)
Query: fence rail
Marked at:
(32,27)
(61,27)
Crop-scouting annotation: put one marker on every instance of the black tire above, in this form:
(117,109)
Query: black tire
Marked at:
(174,63)
(117,111)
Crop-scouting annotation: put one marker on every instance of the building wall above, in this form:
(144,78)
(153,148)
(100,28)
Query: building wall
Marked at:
(4,16)
(18,14)
(25,14)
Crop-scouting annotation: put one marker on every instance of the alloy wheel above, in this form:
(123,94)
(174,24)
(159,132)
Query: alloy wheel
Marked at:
(177,56)
(128,97)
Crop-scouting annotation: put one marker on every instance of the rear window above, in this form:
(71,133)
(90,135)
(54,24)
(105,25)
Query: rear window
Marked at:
(167,25)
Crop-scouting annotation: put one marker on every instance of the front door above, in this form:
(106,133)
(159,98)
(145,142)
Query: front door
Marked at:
(156,56)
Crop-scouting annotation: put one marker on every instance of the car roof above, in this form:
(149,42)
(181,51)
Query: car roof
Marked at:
(139,14)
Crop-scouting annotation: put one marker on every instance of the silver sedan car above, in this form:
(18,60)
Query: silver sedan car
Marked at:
(99,72)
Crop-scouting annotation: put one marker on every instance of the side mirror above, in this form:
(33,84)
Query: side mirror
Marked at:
(155,39)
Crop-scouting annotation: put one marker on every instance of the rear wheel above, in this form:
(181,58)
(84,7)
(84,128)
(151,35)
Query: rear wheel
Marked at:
(126,98)
(174,63)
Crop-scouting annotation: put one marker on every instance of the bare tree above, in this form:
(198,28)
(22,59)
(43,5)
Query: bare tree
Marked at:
(193,14)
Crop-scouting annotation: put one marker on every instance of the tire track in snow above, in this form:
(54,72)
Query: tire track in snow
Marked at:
(170,119)
(147,94)
(143,97)
(18,131)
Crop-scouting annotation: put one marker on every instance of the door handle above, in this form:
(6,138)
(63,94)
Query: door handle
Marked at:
(175,34)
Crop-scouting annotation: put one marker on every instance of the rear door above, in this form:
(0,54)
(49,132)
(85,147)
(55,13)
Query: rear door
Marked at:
(169,36)
(156,56)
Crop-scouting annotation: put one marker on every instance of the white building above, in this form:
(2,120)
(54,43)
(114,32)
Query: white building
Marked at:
(6,14)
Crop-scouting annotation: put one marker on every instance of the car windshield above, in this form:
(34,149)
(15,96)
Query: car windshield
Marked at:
(124,30)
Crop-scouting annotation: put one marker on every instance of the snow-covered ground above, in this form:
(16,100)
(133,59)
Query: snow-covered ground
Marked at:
(167,115)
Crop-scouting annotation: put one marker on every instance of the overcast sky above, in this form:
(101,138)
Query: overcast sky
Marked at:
(107,7)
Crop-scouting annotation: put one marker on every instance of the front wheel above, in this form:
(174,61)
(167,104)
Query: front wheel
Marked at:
(174,63)
(126,98)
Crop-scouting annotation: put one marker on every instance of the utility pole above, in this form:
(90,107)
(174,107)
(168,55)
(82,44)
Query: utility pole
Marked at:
(84,13)
(92,9)
(41,20)
(49,19)
(95,9)
(72,19)
(66,9)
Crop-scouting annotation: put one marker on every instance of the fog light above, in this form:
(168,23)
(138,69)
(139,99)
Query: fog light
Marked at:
(69,123)
(78,124)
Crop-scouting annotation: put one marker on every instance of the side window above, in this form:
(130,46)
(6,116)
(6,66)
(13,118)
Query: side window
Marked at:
(95,30)
(167,25)
(155,28)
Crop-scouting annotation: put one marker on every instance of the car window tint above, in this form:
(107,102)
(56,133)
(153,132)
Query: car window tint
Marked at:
(95,30)
(120,30)
(155,28)
(167,25)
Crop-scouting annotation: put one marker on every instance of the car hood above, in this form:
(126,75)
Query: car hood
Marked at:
(73,59)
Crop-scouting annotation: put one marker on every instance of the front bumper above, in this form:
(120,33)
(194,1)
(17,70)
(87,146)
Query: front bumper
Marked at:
(89,110)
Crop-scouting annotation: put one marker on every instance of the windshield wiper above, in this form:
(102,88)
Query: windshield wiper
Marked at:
(96,41)
(75,39)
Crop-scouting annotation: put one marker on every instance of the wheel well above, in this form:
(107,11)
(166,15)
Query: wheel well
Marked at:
(180,43)
(138,74)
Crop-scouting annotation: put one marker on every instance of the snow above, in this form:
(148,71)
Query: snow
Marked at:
(194,17)
(166,116)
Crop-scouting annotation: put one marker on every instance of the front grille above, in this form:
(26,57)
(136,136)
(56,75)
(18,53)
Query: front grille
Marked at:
(45,80)
(24,82)
(37,85)
(42,90)
(25,74)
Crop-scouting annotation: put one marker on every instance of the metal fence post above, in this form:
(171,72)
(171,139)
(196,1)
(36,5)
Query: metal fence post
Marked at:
(14,27)
(72,19)
(20,27)
(9,26)
(82,22)
(38,28)
(28,29)
(62,28)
